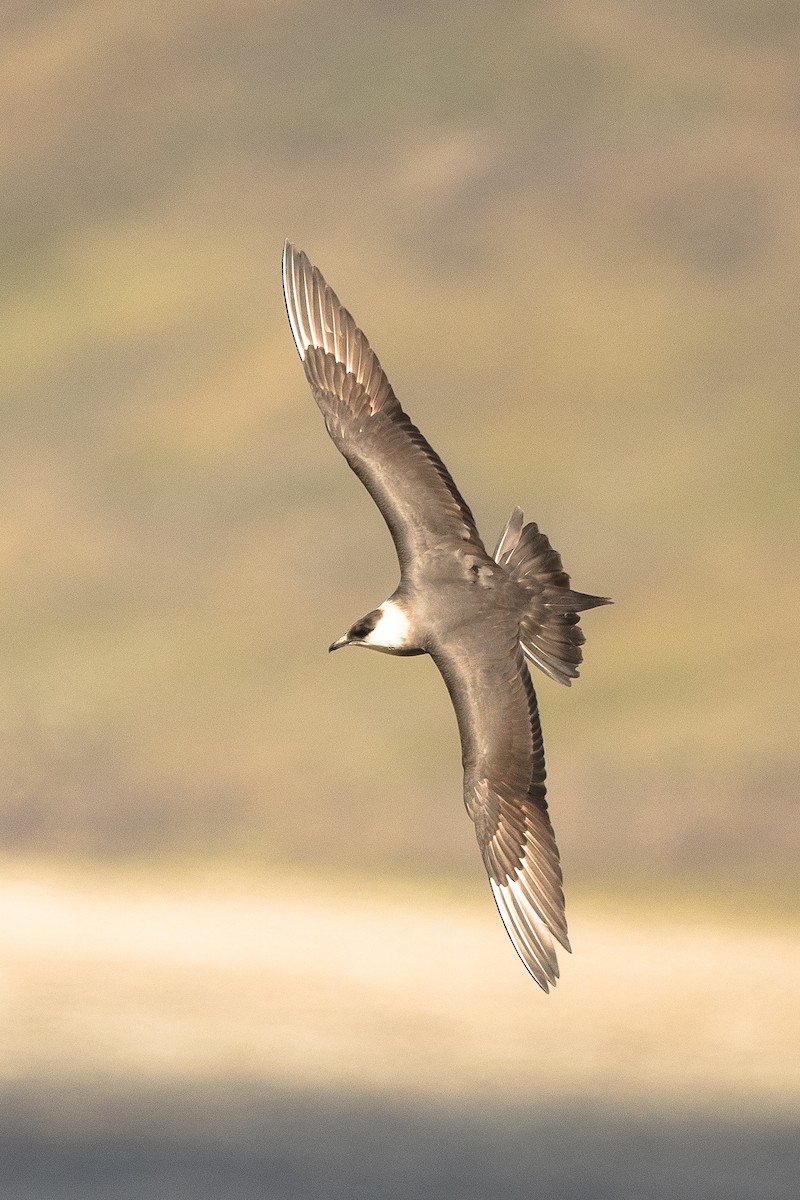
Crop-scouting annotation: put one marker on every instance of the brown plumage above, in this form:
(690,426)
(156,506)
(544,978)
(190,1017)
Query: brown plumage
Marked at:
(478,617)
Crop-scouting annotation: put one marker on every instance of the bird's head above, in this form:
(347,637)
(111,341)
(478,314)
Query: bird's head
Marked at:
(386,628)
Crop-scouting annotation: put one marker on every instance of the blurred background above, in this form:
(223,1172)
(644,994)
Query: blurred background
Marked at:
(247,944)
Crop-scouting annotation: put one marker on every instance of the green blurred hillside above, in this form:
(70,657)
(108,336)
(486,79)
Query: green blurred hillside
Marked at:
(571,231)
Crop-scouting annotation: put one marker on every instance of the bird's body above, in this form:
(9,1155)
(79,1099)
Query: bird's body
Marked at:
(478,616)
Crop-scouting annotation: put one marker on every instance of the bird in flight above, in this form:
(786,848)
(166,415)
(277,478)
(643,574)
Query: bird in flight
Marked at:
(479,617)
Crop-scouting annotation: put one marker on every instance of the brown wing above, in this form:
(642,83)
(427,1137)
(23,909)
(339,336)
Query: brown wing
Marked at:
(405,477)
(504,789)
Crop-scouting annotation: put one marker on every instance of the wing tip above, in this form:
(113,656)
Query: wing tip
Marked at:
(319,321)
(292,261)
(531,937)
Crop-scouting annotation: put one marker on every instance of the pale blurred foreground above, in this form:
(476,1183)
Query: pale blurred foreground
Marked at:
(300,984)
(271,1028)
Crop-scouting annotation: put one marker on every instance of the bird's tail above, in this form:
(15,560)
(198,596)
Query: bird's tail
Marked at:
(549,634)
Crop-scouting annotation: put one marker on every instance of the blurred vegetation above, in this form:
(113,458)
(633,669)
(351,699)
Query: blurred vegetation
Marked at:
(571,231)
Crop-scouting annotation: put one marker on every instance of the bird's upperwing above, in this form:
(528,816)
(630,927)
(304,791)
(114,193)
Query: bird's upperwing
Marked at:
(405,477)
(504,789)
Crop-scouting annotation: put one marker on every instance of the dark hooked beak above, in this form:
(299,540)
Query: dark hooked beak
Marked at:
(337,645)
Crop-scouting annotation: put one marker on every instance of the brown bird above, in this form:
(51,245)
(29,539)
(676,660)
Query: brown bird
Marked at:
(479,617)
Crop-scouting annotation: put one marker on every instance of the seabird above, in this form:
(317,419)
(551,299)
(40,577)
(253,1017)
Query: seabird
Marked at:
(478,617)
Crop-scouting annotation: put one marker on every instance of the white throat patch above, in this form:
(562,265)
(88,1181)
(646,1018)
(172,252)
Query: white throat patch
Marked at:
(391,630)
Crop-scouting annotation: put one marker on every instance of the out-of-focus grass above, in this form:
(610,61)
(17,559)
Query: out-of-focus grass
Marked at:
(571,232)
